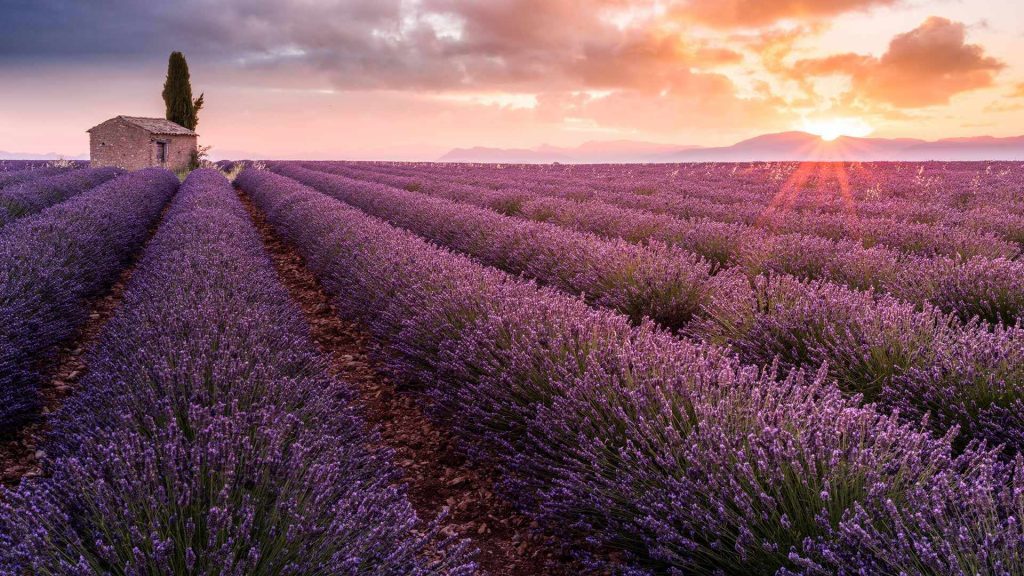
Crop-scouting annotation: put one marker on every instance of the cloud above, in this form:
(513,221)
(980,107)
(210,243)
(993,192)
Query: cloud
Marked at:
(658,66)
(1018,91)
(693,103)
(924,67)
(760,13)
(537,46)
(697,104)
(606,63)
(375,44)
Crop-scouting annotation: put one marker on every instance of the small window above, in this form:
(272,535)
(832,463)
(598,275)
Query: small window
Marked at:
(161,152)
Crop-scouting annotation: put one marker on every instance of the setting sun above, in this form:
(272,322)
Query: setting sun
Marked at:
(831,128)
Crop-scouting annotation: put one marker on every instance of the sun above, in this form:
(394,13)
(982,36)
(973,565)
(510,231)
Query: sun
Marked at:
(829,129)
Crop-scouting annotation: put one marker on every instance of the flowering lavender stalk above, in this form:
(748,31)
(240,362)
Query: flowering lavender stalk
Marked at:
(624,435)
(977,531)
(973,382)
(207,438)
(51,263)
(39,193)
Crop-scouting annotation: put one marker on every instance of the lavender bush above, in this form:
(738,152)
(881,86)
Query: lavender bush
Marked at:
(36,194)
(207,437)
(976,531)
(8,166)
(627,436)
(51,263)
(973,382)
(17,176)
(912,361)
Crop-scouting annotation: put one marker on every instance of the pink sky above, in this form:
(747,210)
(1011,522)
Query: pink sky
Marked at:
(410,79)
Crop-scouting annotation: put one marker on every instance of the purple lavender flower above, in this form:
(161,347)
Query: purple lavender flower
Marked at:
(933,261)
(38,193)
(631,438)
(51,263)
(207,438)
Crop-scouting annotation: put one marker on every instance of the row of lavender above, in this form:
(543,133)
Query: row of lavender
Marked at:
(659,282)
(776,216)
(913,360)
(53,262)
(207,437)
(18,176)
(830,185)
(633,439)
(46,189)
(980,286)
(14,176)
(939,230)
(728,183)
(7,166)
(954,193)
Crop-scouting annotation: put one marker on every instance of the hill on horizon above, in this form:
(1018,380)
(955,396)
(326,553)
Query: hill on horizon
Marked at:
(4,155)
(783,146)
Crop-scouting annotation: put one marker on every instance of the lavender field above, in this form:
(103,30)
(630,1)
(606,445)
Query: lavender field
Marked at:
(428,368)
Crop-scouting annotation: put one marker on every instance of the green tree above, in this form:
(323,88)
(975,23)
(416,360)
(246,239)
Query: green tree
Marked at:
(181,108)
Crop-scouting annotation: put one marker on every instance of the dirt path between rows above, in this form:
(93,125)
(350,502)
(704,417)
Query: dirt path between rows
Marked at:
(19,456)
(437,475)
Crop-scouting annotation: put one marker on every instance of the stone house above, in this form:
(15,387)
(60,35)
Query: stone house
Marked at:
(133,143)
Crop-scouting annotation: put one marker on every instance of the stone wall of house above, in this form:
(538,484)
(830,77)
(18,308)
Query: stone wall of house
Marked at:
(179,150)
(118,143)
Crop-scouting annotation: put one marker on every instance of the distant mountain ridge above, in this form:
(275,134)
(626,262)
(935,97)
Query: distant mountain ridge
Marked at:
(783,146)
(30,156)
(594,152)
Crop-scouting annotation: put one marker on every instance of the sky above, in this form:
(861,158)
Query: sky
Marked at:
(411,79)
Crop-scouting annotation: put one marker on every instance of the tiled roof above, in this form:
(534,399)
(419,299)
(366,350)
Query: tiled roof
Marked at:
(158,126)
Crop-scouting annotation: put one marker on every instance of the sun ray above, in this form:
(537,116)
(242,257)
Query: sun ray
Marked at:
(819,180)
(830,129)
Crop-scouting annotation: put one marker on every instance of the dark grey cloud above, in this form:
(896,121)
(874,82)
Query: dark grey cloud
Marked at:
(432,44)
(535,45)
(49,29)
(72,31)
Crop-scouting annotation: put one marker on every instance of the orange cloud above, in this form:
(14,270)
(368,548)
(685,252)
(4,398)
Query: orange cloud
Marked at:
(757,13)
(717,56)
(924,67)
(568,44)
(442,72)
(646,60)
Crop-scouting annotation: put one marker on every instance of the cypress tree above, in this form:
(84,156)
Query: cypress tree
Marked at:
(181,108)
